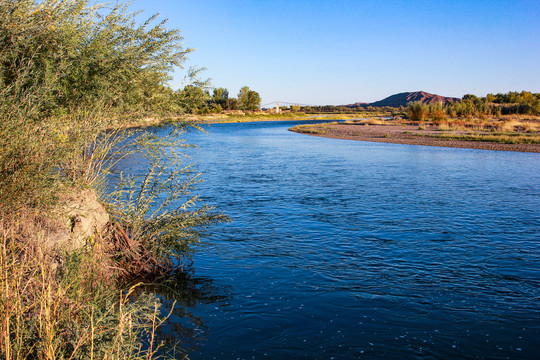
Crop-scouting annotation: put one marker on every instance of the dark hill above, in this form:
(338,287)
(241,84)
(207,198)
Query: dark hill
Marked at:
(402,99)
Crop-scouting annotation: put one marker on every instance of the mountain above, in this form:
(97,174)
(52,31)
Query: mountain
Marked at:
(402,99)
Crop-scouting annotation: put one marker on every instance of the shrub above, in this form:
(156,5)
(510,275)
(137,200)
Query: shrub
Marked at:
(437,112)
(67,70)
(417,111)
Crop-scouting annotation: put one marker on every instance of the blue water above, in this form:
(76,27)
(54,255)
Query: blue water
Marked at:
(344,249)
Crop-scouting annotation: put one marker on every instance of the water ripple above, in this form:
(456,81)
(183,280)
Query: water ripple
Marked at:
(343,249)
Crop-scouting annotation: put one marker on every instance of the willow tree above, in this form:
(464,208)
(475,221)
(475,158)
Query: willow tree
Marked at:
(65,66)
(74,54)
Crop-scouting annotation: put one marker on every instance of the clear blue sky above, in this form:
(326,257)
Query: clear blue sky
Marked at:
(340,52)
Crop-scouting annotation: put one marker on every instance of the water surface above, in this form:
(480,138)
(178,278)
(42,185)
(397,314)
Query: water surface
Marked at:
(342,249)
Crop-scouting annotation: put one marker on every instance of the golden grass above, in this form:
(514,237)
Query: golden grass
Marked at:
(63,305)
(503,138)
(309,129)
(370,121)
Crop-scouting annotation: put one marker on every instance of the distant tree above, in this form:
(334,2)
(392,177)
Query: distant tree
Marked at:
(535,107)
(220,97)
(192,98)
(295,108)
(232,104)
(437,112)
(243,98)
(248,99)
(470,97)
(254,100)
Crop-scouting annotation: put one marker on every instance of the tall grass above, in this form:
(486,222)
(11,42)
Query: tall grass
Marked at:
(155,217)
(68,308)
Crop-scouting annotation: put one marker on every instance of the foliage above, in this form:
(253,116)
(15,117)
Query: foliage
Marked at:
(220,97)
(68,71)
(248,99)
(78,55)
(64,68)
(156,213)
(295,108)
(193,98)
(524,103)
(437,112)
(417,111)
(310,129)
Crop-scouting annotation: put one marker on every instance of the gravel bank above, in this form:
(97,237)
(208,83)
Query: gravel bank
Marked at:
(411,134)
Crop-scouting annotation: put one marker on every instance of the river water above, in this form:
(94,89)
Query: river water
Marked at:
(344,249)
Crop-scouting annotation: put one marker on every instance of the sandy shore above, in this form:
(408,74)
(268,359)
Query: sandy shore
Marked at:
(411,134)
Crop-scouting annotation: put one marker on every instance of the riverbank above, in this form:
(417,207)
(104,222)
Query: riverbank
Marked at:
(414,135)
(287,116)
(241,117)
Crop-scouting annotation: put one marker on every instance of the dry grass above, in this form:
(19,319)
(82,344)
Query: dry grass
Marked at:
(500,124)
(57,305)
(503,138)
(370,121)
(443,126)
(309,129)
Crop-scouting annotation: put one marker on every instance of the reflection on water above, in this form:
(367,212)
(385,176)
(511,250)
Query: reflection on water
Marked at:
(343,249)
(179,293)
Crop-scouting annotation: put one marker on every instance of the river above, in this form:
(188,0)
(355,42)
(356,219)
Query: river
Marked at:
(344,249)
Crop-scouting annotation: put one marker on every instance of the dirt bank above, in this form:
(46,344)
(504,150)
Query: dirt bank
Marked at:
(407,134)
(80,217)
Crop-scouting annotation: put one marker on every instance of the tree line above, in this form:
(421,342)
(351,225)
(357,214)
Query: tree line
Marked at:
(513,102)
(196,99)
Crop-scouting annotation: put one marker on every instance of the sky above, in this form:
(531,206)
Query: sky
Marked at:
(318,52)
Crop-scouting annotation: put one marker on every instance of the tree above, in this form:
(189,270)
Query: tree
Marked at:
(248,99)
(243,98)
(192,98)
(254,100)
(232,104)
(470,97)
(437,112)
(220,97)
(80,55)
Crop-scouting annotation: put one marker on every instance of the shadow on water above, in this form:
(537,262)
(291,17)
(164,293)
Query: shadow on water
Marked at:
(179,293)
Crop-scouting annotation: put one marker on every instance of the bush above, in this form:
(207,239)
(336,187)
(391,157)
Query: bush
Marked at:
(64,68)
(67,72)
(417,111)
(437,112)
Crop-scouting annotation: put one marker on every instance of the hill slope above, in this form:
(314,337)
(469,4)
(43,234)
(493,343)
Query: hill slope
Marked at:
(402,99)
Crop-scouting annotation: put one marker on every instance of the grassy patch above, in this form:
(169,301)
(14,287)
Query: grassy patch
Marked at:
(369,121)
(68,72)
(309,129)
(503,138)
